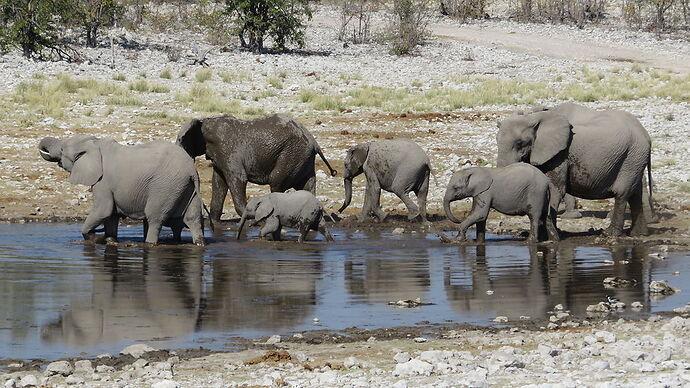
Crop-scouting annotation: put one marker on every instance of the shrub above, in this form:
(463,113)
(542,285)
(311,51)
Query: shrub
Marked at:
(203,75)
(281,20)
(464,9)
(355,19)
(31,25)
(408,25)
(166,73)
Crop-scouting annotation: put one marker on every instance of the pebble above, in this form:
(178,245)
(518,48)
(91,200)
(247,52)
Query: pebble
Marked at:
(501,319)
(661,287)
(413,367)
(11,383)
(165,384)
(398,231)
(28,381)
(402,357)
(420,340)
(137,350)
(274,339)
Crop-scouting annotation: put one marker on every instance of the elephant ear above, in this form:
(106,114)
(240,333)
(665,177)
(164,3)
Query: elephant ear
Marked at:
(264,210)
(50,149)
(552,135)
(357,156)
(191,139)
(87,162)
(479,180)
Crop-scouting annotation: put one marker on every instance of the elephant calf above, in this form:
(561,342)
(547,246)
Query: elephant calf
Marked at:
(155,181)
(296,209)
(518,189)
(397,166)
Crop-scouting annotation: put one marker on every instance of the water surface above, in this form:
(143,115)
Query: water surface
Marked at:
(61,297)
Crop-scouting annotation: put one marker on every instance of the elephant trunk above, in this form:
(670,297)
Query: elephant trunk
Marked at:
(348,195)
(242,221)
(50,149)
(446,207)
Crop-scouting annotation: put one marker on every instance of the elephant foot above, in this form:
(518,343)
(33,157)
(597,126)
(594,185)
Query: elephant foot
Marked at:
(381,216)
(571,214)
(415,217)
(638,232)
(613,232)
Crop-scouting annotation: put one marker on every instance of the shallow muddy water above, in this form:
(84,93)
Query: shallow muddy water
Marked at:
(61,297)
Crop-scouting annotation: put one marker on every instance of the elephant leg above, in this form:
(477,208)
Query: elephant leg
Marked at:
(533,228)
(219,190)
(153,230)
(303,232)
(481,231)
(571,208)
(477,214)
(110,226)
(373,198)
(422,193)
(324,231)
(238,190)
(555,197)
(647,205)
(194,220)
(177,227)
(617,218)
(309,185)
(412,209)
(146,228)
(101,210)
(639,221)
(272,225)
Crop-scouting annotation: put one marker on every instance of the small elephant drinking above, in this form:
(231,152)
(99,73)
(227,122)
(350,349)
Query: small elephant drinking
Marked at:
(518,189)
(155,181)
(397,166)
(296,209)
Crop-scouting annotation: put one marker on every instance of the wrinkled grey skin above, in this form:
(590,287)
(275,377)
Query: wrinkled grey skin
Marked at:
(296,209)
(155,181)
(397,166)
(586,153)
(518,189)
(272,150)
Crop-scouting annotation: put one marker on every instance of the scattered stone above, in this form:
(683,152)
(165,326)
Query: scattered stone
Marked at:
(661,287)
(28,381)
(501,319)
(298,335)
(558,307)
(63,368)
(600,365)
(409,303)
(420,340)
(11,383)
(682,310)
(400,384)
(104,369)
(74,380)
(402,357)
(617,282)
(413,367)
(165,384)
(489,292)
(315,320)
(398,231)
(83,366)
(137,350)
(601,307)
(605,336)
(371,339)
(525,317)
(274,339)
(140,363)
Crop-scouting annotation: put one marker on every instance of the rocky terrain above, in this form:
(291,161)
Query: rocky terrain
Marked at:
(591,352)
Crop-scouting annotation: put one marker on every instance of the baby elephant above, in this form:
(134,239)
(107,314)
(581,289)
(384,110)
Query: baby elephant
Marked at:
(397,166)
(517,189)
(297,209)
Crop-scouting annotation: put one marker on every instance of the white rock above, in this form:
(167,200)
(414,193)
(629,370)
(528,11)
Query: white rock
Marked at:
(600,365)
(420,340)
(435,356)
(73,380)
(137,350)
(400,384)
(398,231)
(165,384)
(63,368)
(274,339)
(605,336)
(28,381)
(11,383)
(636,305)
(501,319)
(402,357)
(413,367)
(140,363)
(352,362)
(558,307)
(83,366)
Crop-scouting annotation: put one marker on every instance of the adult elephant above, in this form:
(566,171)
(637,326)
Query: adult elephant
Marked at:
(586,153)
(272,150)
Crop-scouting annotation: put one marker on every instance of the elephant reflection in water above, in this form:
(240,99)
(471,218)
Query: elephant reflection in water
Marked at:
(268,290)
(156,297)
(375,279)
(550,277)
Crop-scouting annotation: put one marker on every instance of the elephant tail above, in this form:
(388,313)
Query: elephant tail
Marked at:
(649,179)
(197,190)
(318,150)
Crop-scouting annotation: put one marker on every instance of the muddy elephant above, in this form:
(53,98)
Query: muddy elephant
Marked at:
(155,181)
(586,153)
(273,150)
(397,166)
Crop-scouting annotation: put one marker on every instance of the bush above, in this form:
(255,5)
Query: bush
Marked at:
(91,15)
(562,11)
(281,20)
(355,19)
(464,9)
(408,20)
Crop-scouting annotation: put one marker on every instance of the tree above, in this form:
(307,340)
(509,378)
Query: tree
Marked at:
(31,25)
(281,20)
(92,15)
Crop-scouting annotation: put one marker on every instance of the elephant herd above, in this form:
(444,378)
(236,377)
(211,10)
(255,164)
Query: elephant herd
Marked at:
(544,154)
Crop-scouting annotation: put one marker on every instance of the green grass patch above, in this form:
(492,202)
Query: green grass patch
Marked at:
(124,100)
(166,73)
(229,77)
(119,77)
(203,75)
(276,82)
(203,99)
(144,86)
